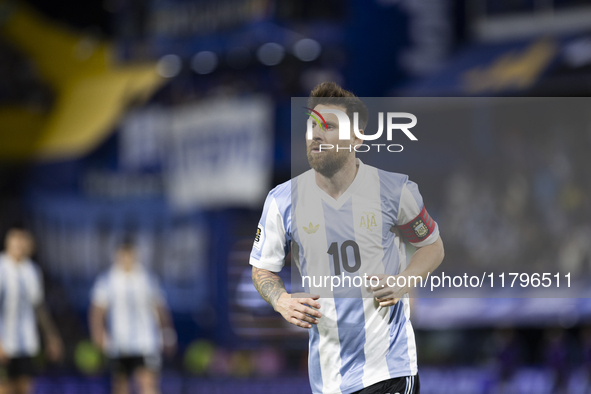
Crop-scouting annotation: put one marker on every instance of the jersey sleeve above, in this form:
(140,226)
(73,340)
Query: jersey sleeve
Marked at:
(2,276)
(271,240)
(100,293)
(156,292)
(414,222)
(37,293)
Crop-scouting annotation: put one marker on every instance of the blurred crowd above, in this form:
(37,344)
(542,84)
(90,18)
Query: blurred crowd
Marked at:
(522,207)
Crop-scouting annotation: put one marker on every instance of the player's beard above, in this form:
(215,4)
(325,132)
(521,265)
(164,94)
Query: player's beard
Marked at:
(329,162)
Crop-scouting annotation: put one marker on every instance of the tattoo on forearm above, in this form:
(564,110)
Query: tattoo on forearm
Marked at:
(268,284)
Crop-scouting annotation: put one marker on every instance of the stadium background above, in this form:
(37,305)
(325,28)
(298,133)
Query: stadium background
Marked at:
(170,119)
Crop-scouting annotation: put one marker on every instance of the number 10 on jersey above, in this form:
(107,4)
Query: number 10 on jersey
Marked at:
(339,254)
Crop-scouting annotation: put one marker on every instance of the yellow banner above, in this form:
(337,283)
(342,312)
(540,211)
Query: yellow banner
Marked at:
(92,90)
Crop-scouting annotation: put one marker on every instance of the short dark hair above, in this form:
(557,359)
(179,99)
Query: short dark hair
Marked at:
(329,93)
(17,227)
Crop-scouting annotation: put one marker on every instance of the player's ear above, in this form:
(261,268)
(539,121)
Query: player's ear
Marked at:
(356,139)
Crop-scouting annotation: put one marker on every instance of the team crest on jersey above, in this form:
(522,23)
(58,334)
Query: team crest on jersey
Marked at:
(259,237)
(368,221)
(311,229)
(420,228)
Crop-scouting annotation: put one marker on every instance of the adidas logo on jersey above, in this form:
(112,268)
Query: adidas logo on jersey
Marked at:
(311,229)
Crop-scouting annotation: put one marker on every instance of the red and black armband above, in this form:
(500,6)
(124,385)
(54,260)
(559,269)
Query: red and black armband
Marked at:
(419,228)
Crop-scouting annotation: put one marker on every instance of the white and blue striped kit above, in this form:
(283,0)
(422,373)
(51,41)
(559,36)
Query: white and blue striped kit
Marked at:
(21,290)
(356,343)
(130,298)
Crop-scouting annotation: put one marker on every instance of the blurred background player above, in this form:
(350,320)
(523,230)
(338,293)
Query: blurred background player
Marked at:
(128,299)
(21,309)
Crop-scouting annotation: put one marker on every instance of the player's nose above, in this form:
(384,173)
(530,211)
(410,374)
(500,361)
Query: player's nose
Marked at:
(317,133)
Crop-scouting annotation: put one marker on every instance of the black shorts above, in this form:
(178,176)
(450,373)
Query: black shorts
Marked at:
(19,367)
(127,365)
(401,385)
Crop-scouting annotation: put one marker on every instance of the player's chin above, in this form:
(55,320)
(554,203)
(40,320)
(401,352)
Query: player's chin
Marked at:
(316,162)
(314,157)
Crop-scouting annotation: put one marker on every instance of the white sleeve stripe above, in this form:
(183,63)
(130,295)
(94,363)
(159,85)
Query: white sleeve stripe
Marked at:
(265,266)
(273,248)
(408,208)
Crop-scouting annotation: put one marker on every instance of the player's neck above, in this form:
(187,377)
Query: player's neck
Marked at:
(16,258)
(337,184)
(127,268)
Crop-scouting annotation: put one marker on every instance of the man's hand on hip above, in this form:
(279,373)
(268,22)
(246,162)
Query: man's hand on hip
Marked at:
(299,309)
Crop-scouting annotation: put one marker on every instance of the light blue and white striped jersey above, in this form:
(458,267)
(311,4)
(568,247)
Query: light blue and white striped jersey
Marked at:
(21,290)
(356,343)
(131,300)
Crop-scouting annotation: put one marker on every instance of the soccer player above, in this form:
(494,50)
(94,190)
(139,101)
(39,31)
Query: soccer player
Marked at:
(21,310)
(128,299)
(343,217)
